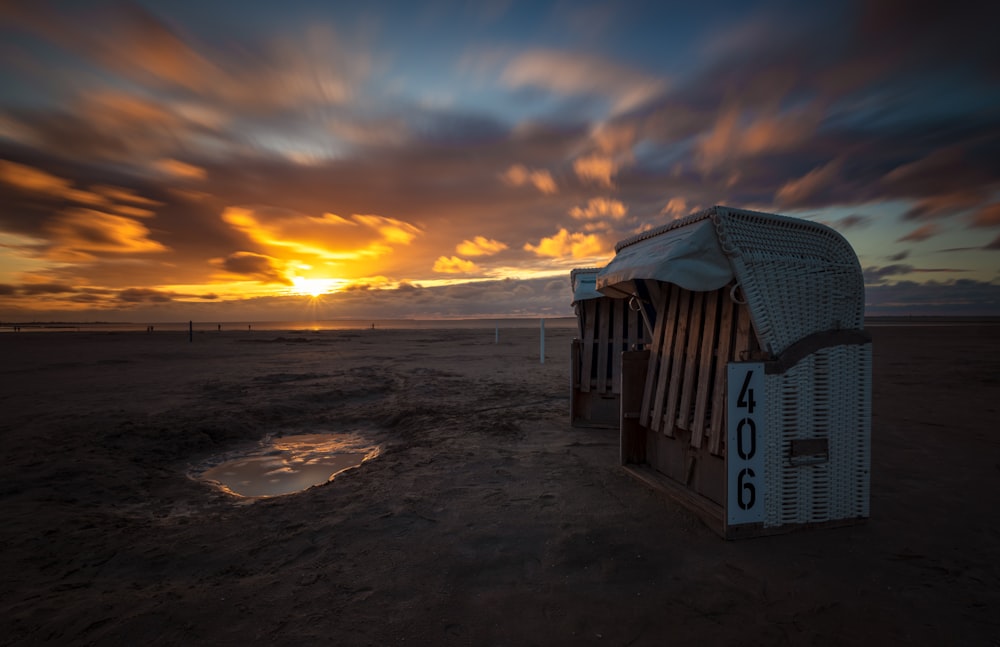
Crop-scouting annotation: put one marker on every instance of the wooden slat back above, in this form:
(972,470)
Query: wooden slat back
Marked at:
(669,334)
(696,328)
(587,350)
(706,365)
(619,323)
(655,359)
(603,344)
(677,362)
(697,334)
(608,327)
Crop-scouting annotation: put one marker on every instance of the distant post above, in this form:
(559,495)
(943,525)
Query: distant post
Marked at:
(542,343)
(190,331)
(496,334)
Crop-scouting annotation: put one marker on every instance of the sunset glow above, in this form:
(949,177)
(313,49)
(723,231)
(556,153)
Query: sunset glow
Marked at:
(314,287)
(460,159)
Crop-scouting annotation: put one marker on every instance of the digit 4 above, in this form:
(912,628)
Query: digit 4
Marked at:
(745,399)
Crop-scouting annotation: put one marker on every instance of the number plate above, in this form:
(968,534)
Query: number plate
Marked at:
(745,403)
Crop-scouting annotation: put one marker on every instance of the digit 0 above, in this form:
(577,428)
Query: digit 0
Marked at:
(748,454)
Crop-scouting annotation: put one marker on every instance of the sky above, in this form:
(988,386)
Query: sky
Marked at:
(232,161)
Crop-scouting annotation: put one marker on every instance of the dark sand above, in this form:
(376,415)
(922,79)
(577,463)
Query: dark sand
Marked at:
(487,519)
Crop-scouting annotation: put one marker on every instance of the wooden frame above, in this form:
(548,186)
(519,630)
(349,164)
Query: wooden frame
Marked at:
(608,327)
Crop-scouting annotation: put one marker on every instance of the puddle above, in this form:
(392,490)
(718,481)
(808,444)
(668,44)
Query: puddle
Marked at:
(287,464)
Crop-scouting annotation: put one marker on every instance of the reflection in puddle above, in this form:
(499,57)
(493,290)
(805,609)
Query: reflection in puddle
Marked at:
(289,464)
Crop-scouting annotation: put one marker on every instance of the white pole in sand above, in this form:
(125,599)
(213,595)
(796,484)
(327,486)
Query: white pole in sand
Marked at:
(542,349)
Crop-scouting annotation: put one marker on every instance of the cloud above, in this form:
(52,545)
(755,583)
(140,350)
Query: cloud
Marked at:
(574,73)
(121,194)
(899,256)
(600,208)
(806,189)
(257,266)
(328,237)
(855,221)
(316,66)
(756,125)
(994,244)
(597,169)
(676,208)
(564,244)
(945,204)
(921,233)
(144,295)
(987,215)
(32,289)
(179,169)
(81,233)
(881,274)
(454,265)
(519,175)
(739,133)
(480,246)
(36,181)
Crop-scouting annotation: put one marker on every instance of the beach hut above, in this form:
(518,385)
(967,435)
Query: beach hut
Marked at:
(606,327)
(752,403)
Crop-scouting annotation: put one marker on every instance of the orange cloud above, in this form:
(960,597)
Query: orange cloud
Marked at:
(596,168)
(120,194)
(480,246)
(78,233)
(392,230)
(454,265)
(176,168)
(797,192)
(987,216)
(572,73)
(519,175)
(134,212)
(945,204)
(599,208)
(733,136)
(920,234)
(318,240)
(564,244)
(28,178)
(676,208)
(31,180)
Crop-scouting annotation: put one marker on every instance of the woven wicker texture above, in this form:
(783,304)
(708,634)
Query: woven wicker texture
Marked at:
(797,277)
(825,396)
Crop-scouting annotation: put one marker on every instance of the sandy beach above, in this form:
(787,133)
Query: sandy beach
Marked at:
(485,520)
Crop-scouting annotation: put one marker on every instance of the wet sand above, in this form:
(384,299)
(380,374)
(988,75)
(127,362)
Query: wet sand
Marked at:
(486,519)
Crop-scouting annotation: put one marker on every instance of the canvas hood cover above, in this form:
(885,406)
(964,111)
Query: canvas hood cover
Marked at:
(688,256)
(584,282)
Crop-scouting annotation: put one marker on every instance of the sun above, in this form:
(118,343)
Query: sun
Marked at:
(312,287)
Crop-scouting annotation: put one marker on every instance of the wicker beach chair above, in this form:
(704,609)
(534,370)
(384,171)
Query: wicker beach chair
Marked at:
(778,302)
(606,327)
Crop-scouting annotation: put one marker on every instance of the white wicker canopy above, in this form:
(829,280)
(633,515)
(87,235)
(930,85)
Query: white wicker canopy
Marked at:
(584,283)
(797,277)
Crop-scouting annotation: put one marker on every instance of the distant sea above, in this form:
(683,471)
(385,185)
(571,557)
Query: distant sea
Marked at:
(290,326)
(399,324)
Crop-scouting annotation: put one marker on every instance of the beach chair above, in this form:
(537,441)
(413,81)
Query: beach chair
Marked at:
(752,403)
(606,327)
